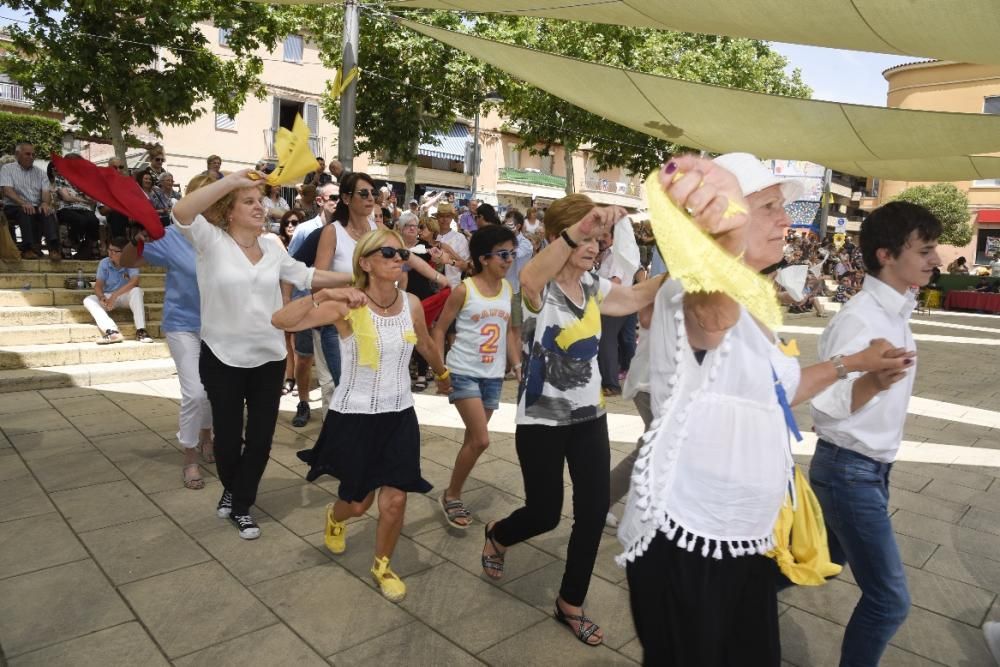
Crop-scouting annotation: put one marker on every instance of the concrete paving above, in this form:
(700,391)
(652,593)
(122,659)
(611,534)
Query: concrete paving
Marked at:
(106,560)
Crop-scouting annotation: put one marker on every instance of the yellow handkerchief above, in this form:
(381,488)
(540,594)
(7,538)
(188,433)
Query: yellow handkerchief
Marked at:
(295,159)
(700,264)
(365,335)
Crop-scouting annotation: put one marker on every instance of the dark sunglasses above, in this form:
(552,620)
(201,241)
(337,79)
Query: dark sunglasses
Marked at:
(389,252)
(502,254)
(157,159)
(365,194)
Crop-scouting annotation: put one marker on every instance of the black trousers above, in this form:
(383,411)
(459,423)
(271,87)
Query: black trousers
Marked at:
(83,224)
(607,351)
(542,452)
(241,456)
(691,610)
(33,227)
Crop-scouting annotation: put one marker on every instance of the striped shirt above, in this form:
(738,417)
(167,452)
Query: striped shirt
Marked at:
(28,183)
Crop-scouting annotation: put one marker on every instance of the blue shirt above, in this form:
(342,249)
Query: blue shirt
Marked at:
(181,301)
(524,251)
(112,276)
(303,231)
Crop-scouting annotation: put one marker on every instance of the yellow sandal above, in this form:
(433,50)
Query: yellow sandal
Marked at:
(336,532)
(389,583)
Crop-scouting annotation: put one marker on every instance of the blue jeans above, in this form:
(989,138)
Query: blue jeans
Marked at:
(853,491)
(330,341)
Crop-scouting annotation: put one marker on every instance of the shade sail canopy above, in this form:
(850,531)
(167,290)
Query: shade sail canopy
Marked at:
(960,30)
(900,144)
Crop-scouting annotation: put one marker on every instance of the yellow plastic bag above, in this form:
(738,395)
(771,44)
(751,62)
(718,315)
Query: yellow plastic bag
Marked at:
(802,553)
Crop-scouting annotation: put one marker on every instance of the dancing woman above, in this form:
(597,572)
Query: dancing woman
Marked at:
(560,412)
(370,439)
(242,357)
(480,308)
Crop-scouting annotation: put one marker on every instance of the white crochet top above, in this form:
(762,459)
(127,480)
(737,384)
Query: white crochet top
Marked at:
(366,390)
(716,461)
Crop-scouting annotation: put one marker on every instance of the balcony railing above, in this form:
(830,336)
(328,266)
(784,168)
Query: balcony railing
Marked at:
(532,178)
(316,144)
(12,93)
(628,188)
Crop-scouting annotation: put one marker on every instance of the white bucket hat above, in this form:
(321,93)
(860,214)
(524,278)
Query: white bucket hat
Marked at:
(754,176)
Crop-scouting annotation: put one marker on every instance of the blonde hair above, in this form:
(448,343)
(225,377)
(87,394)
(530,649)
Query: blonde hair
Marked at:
(433,225)
(565,212)
(218,212)
(368,243)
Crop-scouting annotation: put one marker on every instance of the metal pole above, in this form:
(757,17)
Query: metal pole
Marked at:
(475,156)
(824,206)
(348,107)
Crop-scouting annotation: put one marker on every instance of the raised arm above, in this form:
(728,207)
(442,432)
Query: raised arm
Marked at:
(544,266)
(200,200)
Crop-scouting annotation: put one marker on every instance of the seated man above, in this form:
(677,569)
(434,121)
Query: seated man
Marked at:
(27,203)
(116,287)
(76,211)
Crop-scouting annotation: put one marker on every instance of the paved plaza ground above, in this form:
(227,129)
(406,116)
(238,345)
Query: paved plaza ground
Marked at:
(106,560)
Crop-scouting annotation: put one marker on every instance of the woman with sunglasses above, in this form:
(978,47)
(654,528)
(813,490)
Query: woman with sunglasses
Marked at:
(242,357)
(289,221)
(480,309)
(370,439)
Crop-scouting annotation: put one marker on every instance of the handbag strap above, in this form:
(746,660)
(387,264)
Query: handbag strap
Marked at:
(779,389)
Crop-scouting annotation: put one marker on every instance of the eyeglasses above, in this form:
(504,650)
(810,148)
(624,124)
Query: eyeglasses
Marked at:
(504,255)
(114,251)
(388,252)
(157,159)
(365,194)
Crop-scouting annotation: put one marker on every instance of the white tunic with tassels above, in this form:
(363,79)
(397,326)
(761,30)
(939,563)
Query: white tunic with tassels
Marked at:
(715,465)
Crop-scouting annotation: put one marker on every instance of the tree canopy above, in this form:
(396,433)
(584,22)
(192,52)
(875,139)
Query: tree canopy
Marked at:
(949,204)
(117,67)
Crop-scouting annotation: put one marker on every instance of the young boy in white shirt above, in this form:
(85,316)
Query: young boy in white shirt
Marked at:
(116,287)
(859,421)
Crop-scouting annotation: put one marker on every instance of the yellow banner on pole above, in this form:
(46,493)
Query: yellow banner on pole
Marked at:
(340,83)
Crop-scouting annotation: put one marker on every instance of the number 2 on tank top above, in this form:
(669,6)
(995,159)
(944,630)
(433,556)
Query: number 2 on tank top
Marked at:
(488,348)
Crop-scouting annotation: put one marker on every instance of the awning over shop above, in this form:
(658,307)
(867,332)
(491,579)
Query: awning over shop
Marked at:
(898,144)
(450,146)
(959,30)
(988,215)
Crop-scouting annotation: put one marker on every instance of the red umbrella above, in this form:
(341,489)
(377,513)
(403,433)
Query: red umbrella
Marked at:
(108,186)
(433,305)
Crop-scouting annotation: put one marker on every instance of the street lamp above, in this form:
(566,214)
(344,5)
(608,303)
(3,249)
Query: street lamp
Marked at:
(492,97)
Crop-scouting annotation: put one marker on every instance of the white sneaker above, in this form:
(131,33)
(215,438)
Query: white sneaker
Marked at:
(991,632)
(611,521)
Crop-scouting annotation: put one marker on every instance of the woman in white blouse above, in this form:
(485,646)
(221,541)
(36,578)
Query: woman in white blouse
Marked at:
(709,482)
(242,360)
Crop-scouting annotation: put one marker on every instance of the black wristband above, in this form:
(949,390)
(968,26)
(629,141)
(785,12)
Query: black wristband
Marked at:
(570,242)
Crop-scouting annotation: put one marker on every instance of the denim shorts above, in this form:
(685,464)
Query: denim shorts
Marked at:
(466,386)
(304,343)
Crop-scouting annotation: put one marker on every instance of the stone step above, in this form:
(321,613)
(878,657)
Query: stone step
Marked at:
(65,266)
(37,315)
(66,354)
(37,280)
(71,332)
(57,296)
(85,375)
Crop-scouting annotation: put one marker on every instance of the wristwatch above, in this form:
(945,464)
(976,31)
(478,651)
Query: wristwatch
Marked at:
(838,364)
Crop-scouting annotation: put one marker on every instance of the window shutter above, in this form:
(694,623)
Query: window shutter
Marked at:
(312,118)
(293,49)
(224,122)
(224,36)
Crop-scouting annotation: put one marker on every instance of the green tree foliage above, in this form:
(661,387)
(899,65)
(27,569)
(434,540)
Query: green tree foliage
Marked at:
(411,87)
(543,120)
(115,67)
(949,204)
(44,133)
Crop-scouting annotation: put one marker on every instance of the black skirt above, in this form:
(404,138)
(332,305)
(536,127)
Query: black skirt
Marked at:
(368,451)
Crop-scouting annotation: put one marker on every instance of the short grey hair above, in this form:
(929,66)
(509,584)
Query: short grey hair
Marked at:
(165,174)
(407,216)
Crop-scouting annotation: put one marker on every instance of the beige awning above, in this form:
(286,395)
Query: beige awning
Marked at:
(960,30)
(898,144)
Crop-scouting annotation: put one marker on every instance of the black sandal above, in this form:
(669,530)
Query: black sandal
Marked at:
(289,386)
(494,561)
(585,628)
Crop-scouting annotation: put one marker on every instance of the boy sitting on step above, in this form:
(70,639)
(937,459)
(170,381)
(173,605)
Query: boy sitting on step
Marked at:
(116,287)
